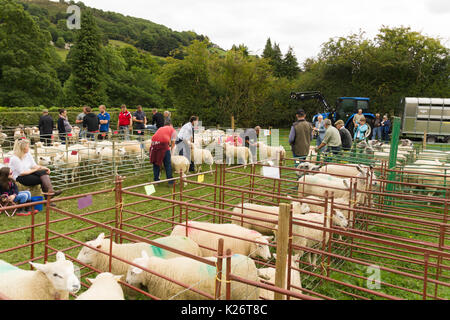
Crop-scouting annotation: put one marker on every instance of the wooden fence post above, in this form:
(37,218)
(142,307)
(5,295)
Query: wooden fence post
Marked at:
(282,248)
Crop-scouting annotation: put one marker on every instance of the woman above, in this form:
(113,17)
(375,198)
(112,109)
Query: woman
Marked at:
(319,130)
(10,192)
(64,128)
(361,129)
(27,172)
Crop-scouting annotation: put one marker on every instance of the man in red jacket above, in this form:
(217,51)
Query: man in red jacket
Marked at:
(125,123)
(160,151)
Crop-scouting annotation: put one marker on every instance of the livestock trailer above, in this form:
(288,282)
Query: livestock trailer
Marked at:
(430,115)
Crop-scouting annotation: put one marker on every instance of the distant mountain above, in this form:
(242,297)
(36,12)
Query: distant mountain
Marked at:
(143,34)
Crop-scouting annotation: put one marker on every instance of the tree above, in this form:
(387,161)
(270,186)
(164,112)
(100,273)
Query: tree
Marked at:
(60,43)
(268,50)
(86,85)
(27,77)
(290,68)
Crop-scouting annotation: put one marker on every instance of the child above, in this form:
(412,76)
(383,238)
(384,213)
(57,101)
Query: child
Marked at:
(9,191)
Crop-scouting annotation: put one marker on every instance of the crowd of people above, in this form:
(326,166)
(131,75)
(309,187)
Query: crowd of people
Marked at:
(92,124)
(335,138)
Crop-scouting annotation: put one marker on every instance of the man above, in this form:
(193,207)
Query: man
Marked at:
(139,121)
(250,137)
(79,123)
(125,122)
(185,138)
(46,127)
(356,118)
(157,121)
(332,138)
(64,127)
(163,142)
(300,136)
(377,129)
(91,123)
(103,119)
(346,136)
(386,125)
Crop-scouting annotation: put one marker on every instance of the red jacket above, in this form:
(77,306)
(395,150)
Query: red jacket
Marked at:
(124,118)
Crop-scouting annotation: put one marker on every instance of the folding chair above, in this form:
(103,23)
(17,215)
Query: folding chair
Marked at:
(5,202)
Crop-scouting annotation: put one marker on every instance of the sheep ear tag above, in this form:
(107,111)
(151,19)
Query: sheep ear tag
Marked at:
(150,189)
(85,202)
(74,153)
(201,178)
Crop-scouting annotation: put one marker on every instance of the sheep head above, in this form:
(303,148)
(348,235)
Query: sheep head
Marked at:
(87,255)
(135,275)
(60,273)
(262,250)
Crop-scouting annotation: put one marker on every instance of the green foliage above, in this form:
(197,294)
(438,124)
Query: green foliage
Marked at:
(26,74)
(86,85)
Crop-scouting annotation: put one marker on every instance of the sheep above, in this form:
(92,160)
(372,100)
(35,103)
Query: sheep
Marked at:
(206,238)
(243,155)
(35,135)
(3,136)
(306,166)
(18,133)
(352,170)
(130,251)
(195,274)
(199,156)
(69,161)
(252,210)
(309,236)
(53,280)
(180,163)
(268,274)
(317,208)
(108,154)
(104,287)
(132,148)
(270,152)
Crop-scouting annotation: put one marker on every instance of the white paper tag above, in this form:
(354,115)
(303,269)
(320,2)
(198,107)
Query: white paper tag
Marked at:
(271,172)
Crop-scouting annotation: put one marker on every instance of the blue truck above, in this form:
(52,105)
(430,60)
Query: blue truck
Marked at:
(345,108)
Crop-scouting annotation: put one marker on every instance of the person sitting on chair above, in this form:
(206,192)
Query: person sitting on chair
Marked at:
(10,193)
(27,172)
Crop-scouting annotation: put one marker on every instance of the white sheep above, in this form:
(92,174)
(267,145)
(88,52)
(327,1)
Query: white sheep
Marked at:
(132,147)
(103,287)
(242,154)
(3,136)
(108,154)
(69,161)
(271,152)
(131,251)
(208,237)
(180,163)
(252,210)
(193,273)
(53,280)
(310,236)
(317,208)
(268,274)
(199,156)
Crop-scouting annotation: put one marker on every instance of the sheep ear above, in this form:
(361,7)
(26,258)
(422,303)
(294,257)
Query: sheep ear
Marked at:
(101,237)
(40,267)
(359,168)
(60,256)
(268,238)
(346,184)
(117,278)
(137,270)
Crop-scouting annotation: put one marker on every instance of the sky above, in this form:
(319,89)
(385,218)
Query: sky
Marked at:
(302,25)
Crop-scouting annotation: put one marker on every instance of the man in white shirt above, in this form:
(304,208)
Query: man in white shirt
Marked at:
(185,138)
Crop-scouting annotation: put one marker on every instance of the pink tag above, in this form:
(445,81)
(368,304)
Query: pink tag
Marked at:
(6,160)
(139,132)
(116,132)
(69,134)
(74,153)
(53,137)
(103,134)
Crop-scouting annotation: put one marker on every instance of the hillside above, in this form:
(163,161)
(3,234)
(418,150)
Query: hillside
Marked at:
(143,34)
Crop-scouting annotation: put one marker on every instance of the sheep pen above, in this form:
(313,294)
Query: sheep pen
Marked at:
(398,232)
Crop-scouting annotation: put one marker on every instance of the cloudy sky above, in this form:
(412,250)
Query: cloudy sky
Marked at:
(302,24)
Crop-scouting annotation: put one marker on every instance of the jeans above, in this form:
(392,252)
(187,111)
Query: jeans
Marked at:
(377,133)
(125,130)
(152,128)
(167,165)
(23,197)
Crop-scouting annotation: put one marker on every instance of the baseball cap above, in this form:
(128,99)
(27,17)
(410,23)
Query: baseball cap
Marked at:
(300,112)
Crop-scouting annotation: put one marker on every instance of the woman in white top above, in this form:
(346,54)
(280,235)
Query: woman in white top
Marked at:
(27,172)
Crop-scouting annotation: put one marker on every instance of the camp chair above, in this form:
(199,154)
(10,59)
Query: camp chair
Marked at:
(5,202)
